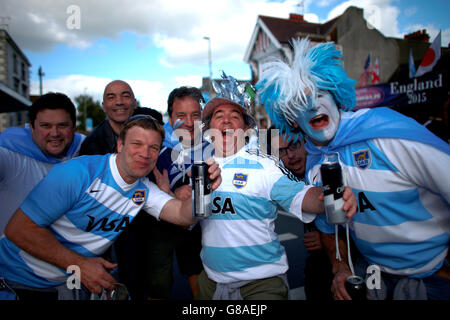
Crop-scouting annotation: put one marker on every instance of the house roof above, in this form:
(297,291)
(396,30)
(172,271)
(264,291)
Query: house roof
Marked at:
(286,29)
(281,31)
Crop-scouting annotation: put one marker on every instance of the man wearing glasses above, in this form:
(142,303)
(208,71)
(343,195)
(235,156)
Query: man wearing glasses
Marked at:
(293,154)
(318,275)
(71,222)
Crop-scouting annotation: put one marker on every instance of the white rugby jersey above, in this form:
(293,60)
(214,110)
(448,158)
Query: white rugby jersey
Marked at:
(20,174)
(86,204)
(22,166)
(239,241)
(403,193)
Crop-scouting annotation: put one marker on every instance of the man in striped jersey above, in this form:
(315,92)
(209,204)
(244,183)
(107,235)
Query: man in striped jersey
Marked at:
(27,154)
(241,253)
(397,169)
(79,209)
(179,148)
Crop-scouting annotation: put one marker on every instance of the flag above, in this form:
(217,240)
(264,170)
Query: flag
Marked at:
(431,57)
(367,64)
(412,66)
(365,74)
(376,72)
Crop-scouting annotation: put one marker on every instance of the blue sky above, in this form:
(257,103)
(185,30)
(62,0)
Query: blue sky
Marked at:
(157,45)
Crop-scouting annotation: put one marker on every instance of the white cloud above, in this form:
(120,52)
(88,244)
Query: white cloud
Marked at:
(445,36)
(311,17)
(73,85)
(325,3)
(149,93)
(189,80)
(176,26)
(411,11)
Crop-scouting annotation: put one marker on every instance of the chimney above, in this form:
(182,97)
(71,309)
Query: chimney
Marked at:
(420,35)
(296,17)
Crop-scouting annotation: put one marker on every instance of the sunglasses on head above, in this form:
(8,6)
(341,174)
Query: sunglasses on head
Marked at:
(141,116)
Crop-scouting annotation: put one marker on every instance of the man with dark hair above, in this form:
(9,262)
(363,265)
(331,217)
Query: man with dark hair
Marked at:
(318,275)
(80,216)
(184,109)
(182,92)
(52,101)
(27,154)
(179,146)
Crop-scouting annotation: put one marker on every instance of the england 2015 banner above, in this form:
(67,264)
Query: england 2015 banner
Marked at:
(430,88)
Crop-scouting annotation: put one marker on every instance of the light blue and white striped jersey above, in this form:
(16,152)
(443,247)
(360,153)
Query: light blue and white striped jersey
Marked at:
(403,192)
(22,166)
(86,204)
(239,242)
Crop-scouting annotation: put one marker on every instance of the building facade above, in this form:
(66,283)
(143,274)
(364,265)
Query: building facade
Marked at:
(14,83)
(355,37)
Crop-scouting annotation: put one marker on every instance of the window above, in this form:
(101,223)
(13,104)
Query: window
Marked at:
(15,63)
(16,84)
(23,71)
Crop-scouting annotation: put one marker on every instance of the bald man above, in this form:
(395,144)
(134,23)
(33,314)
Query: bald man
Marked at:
(118,104)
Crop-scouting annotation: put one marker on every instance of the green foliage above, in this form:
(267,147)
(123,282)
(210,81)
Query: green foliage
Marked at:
(92,109)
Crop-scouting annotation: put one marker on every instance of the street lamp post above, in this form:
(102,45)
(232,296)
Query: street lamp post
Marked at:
(209,56)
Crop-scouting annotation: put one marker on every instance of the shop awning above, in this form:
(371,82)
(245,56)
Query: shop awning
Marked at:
(11,101)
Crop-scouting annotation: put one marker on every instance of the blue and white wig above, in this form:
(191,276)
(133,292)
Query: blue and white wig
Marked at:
(288,90)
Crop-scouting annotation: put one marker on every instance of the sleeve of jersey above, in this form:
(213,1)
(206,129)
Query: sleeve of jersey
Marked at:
(5,162)
(156,199)
(54,195)
(423,164)
(177,177)
(289,193)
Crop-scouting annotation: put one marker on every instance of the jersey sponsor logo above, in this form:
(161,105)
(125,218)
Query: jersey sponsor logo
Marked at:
(362,158)
(138,197)
(223,207)
(240,180)
(364,203)
(105,224)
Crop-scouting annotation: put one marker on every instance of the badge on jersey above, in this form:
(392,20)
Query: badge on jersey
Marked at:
(240,180)
(362,158)
(138,197)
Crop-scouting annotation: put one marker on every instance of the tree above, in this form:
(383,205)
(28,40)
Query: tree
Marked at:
(88,108)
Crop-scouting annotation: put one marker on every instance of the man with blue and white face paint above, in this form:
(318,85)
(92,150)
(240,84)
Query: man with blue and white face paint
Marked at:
(320,121)
(396,167)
